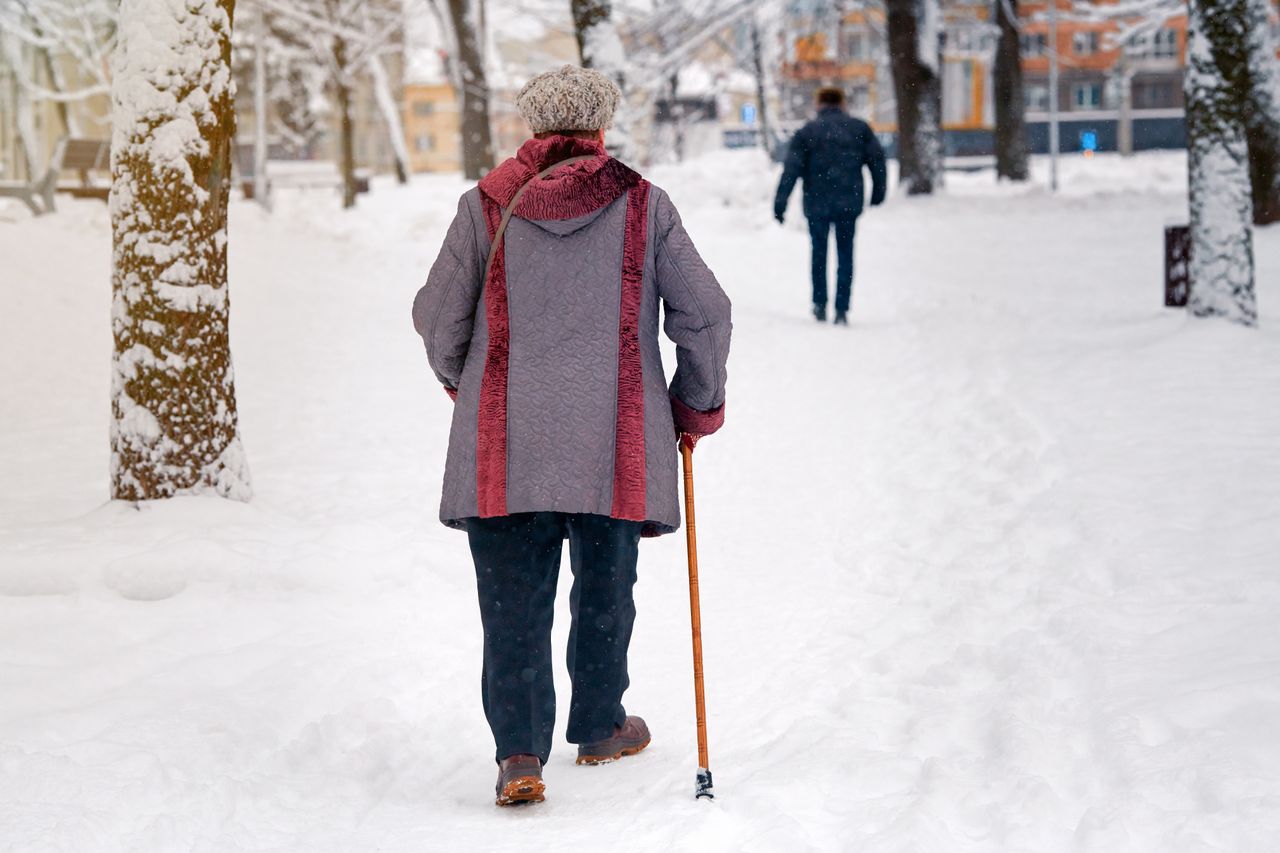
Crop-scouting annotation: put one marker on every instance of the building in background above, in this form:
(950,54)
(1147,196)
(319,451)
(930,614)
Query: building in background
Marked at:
(432,126)
(841,44)
(1104,87)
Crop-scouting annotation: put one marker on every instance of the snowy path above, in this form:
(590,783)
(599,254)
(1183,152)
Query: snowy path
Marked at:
(994,569)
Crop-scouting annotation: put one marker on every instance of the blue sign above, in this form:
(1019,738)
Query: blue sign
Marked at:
(748,114)
(1089,140)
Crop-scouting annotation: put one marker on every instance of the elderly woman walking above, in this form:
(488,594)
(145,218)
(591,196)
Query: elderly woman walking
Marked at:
(540,318)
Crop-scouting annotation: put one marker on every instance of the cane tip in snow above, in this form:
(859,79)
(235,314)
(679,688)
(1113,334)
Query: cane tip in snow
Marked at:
(703,789)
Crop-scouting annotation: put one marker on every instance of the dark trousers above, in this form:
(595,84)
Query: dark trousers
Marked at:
(818,231)
(517,562)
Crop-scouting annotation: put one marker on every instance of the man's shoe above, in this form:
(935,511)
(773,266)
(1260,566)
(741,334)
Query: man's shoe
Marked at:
(520,780)
(820,313)
(842,319)
(628,739)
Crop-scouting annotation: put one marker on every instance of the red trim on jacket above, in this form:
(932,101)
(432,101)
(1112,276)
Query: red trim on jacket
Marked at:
(694,422)
(629,475)
(491,422)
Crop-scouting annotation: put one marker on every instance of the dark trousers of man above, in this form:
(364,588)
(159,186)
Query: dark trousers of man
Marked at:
(818,231)
(517,561)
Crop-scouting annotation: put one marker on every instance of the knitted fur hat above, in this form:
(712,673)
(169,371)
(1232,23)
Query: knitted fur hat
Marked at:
(569,98)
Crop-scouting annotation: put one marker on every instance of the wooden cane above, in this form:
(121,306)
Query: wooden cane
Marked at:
(703,784)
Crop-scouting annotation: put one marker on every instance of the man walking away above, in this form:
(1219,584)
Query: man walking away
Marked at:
(829,153)
(540,318)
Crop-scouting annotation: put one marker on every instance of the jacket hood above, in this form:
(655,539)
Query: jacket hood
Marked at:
(570,197)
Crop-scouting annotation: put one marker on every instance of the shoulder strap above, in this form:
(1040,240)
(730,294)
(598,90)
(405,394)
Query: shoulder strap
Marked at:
(515,200)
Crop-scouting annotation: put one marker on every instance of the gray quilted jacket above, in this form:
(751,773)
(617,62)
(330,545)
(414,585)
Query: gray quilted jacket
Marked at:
(561,399)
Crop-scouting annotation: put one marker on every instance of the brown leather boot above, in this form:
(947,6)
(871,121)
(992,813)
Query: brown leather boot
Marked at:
(520,780)
(628,739)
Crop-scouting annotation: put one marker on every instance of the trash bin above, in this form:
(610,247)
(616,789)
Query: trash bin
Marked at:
(1177,265)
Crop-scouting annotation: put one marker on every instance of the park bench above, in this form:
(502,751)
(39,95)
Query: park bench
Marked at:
(246,169)
(313,174)
(81,156)
(30,190)
(291,174)
(84,157)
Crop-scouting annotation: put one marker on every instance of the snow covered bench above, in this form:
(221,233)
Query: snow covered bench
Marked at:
(83,157)
(311,174)
(29,191)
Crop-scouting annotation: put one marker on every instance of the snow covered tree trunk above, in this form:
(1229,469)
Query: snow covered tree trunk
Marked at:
(915,59)
(1263,115)
(1221,269)
(346,128)
(174,428)
(390,116)
(1011,124)
(477,138)
(24,109)
(601,48)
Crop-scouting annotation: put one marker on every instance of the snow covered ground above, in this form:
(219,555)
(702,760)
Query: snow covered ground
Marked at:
(995,569)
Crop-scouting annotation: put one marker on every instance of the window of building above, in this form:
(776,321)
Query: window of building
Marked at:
(859,100)
(1166,44)
(1034,44)
(1037,97)
(1086,96)
(424,142)
(1154,94)
(1139,44)
(423,108)
(857,45)
(1085,44)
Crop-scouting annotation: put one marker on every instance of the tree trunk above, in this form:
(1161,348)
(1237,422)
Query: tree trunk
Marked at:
(56,82)
(757,61)
(1263,116)
(1010,104)
(1221,269)
(1124,122)
(914,58)
(24,109)
(390,110)
(676,116)
(600,47)
(346,133)
(174,428)
(477,139)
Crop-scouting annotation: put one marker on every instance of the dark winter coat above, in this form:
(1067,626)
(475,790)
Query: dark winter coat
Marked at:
(829,153)
(562,404)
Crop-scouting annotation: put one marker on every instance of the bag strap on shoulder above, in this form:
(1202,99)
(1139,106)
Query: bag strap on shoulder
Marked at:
(515,200)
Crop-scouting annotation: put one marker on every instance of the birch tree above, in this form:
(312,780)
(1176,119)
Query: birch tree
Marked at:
(915,51)
(1010,103)
(174,427)
(1221,269)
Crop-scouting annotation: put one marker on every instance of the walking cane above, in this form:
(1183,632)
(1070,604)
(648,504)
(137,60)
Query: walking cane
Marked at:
(703,785)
